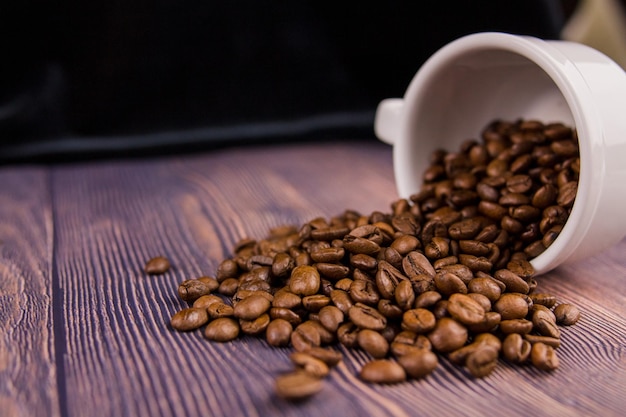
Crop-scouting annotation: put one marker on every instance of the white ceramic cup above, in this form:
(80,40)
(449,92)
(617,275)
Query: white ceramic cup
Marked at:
(487,76)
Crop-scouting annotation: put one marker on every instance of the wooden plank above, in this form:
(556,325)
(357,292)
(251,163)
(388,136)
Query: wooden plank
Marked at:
(122,359)
(28,373)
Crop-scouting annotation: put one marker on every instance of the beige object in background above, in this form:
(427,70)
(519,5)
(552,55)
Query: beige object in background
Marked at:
(600,24)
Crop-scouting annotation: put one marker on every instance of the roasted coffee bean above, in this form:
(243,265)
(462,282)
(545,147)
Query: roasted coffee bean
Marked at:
(567,314)
(367,317)
(315,302)
(304,337)
(228,268)
(544,357)
(252,307)
(256,326)
(364,292)
(310,364)
(282,265)
(278,332)
(304,280)
(463,272)
(382,371)
(189,319)
(343,284)
(347,334)
(448,283)
(220,309)
(405,295)
(373,343)
(515,348)
(286,299)
(443,262)
(448,335)
(363,262)
(387,278)
(332,271)
(206,300)
(482,361)
(341,300)
(286,314)
(520,326)
(297,386)
(223,329)
(475,263)
(512,281)
(192,289)
(465,310)
(415,263)
(328,254)
(485,286)
(328,356)
(360,245)
(546,340)
(465,229)
(511,306)
(329,233)
(157,265)
(427,299)
(418,320)
(440,309)
(389,309)
(228,287)
(489,324)
(521,268)
(419,363)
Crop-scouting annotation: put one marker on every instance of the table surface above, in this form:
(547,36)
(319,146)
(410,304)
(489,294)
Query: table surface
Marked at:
(85,331)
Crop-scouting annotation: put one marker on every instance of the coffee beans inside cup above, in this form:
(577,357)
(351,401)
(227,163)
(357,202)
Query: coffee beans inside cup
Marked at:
(443,274)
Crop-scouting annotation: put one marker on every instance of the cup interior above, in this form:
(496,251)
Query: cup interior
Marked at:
(457,99)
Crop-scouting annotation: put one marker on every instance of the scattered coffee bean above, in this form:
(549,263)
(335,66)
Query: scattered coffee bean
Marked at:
(157,265)
(383,371)
(297,386)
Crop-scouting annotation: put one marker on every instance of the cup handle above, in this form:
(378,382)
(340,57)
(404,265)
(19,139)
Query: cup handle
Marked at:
(387,120)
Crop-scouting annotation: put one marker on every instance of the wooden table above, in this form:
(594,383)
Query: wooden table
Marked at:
(85,332)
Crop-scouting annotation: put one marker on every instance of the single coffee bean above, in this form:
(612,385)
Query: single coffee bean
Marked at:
(544,323)
(485,286)
(512,281)
(382,371)
(341,300)
(157,265)
(465,229)
(286,314)
(189,319)
(544,357)
(515,348)
(482,361)
(228,268)
(367,317)
(418,320)
(286,299)
(206,300)
(347,334)
(252,307)
(360,245)
(228,287)
(256,326)
(331,317)
(343,284)
(448,335)
(448,283)
(415,263)
(278,332)
(553,342)
(328,356)
(373,343)
(310,364)
(282,265)
(304,337)
(438,248)
(520,326)
(465,310)
(332,271)
(405,244)
(304,280)
(223,329)
(297,386)
(364,292)
(511,306)
(404,295)
(315,302)
(192,289)
(390,310)
(475,263)
(387,278)
(489,324)
(547,300)
(220,309)
(326,337)
(363,262)
(482,300)
(329,233)
(567,314)
(419,363)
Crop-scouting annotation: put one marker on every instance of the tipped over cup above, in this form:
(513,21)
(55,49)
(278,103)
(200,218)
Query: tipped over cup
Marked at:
(483,77)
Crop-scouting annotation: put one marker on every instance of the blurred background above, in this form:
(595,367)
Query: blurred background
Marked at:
(85,79)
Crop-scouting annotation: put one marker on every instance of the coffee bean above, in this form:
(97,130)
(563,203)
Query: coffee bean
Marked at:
(310,364)
(545,323)
(418,320)
(482,361)
(373,343)
(404,295)
(341,300)
(328,254)
(256,326)
(206,300)
(364,292)
(512,281)
(465,310)
(189,319)
(485,286)
(567,314)
(331,317)
(389,310)
(347,334)
(315,302)
(286,314)
(448,283)
(448,335)
(382,371)
(544,357)
(304,280)
(546,340)
(511,306)
(419,363)
(228,287)
(367,317)
(297,386)
(415,264)
(278,332)
(157,265)
(223,329)
(520,326)
(304,337)
(252,307)
(329,357)
(220,309)
(286,299)
(465,229)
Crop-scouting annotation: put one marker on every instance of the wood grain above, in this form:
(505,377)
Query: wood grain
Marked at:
(120,357)
(28,373)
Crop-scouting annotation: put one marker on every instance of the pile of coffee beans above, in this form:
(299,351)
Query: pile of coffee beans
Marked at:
(444,274)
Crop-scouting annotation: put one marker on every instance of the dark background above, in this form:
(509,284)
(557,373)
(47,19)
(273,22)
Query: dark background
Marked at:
(82,79)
